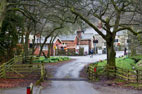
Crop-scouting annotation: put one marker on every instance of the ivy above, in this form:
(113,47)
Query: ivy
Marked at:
(9,35)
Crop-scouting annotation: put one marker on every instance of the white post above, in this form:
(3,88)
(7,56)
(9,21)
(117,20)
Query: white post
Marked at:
(31,88)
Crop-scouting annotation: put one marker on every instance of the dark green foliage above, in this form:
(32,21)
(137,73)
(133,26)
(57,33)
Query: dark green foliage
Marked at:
(81,51)
(124,63)
(61,52)
(9,35)
(51,59)
(69,52)
(136,57)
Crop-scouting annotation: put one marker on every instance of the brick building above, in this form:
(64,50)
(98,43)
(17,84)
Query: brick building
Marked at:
(38,41)
(85,41)
(69,41)
(78,40)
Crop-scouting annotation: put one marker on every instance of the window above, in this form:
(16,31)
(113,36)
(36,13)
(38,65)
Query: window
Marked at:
(31,45)
(104,43)
(95,41)
(116,40)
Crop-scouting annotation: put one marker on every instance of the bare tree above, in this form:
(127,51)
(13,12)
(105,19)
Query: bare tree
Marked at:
(56,20)
(112,14)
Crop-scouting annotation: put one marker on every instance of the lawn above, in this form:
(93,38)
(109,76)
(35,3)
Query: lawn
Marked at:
(128,70)
(125,63)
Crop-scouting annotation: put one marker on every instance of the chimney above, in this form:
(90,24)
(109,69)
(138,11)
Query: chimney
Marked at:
(100,25)
(79,34)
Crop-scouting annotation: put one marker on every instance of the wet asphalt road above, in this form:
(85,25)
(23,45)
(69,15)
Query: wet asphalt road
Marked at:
(71,70)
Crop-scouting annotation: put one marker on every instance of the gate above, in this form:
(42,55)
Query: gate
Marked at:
(22,70)
(14,69)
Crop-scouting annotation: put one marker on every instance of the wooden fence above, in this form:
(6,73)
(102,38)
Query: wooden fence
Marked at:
(23,71)
(15,69)
(134,76)
(7,65)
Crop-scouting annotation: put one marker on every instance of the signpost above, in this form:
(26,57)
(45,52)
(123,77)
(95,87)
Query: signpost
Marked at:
(95,48)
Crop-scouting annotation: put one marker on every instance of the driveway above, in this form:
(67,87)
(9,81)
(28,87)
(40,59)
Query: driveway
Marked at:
(72,70)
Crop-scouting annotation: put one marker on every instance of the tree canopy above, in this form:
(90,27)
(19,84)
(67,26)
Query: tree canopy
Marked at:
(20,18)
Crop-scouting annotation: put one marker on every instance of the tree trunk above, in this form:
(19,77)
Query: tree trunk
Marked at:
(26,46)
(41,47)
(49,50)
(111,66)
(49,47)
(33,46)
(33,41)
(3,5)
(133,51)
(110,54)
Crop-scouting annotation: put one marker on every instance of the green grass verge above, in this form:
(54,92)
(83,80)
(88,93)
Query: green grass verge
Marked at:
(125,63)
(136,57)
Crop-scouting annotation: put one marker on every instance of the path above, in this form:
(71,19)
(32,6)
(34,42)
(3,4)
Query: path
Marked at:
(71,70)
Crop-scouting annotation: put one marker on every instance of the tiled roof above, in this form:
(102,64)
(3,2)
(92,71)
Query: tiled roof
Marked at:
(67,37)
(86,36)
(38,40)
(91,30)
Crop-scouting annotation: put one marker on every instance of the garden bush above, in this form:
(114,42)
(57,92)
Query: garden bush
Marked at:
(51,59)
(139,65)
(136,57)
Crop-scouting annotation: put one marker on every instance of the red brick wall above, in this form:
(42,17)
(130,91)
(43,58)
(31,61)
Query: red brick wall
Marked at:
(38,50)
(79,34)
(46,51)
(75,41)
(86,42)
(58,42)
(70,43)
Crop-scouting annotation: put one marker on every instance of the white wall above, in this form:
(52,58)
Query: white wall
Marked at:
(86,48)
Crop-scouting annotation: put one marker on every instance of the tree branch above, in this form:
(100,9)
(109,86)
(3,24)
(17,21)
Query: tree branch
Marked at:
(11,4)
(88,22)
(117,21)
(129,29)
(49,36)
(114,5)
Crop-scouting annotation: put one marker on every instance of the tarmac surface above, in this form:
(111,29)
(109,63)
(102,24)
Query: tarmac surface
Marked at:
(71,70)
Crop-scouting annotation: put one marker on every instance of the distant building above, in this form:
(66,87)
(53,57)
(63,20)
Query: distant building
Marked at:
(121,41)
(39,41)
(134,44)
(78,40)
(85,41)
(100,44)
(69,41)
